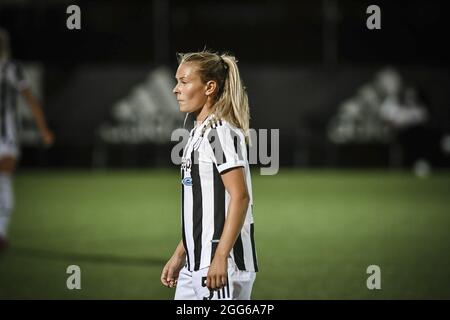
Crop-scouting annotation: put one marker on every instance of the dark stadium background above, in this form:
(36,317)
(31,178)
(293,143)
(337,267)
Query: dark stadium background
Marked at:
(300,60)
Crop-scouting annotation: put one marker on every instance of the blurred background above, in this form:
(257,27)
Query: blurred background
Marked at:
(364,122)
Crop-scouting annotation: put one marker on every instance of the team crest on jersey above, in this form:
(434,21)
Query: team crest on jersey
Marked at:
(187,181)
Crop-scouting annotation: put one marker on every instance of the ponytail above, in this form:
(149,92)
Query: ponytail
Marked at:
(232,104)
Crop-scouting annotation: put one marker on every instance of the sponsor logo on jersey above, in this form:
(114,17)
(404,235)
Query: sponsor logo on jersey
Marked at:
(187,181)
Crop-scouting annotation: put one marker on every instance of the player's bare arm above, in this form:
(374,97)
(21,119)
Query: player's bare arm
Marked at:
(234,182)
(38,114)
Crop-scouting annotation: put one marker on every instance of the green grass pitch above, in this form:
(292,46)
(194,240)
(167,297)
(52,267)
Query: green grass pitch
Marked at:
(316,234)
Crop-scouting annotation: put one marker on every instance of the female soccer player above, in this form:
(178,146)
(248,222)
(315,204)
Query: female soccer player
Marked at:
(12,82)
(216,258)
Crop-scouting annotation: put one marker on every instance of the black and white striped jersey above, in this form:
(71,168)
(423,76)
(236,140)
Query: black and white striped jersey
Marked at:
(212,148)
(12,81)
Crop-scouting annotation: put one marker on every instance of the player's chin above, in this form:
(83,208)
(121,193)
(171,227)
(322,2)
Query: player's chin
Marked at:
(187,108)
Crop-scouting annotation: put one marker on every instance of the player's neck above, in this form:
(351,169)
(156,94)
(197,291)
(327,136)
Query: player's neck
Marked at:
(203,113)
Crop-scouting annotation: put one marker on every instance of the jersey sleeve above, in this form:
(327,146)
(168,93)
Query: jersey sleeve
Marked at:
(226,148)
(17,77)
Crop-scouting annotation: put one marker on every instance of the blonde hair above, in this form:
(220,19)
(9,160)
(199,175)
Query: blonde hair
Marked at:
(4,44)
(231,100)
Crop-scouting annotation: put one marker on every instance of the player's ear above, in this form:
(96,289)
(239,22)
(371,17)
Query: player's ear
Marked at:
(211,87)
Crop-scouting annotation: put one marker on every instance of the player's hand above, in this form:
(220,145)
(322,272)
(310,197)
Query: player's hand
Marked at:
(217,277)
(48,137)
(171,270)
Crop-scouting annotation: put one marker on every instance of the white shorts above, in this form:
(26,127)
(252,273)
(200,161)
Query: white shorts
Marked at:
(8,149)
(192,285)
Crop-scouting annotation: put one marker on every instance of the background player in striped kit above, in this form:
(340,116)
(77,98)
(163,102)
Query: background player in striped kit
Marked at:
(216,258)
(12,83)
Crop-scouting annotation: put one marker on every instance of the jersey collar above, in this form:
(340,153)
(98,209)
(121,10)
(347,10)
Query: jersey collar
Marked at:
(200,126)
